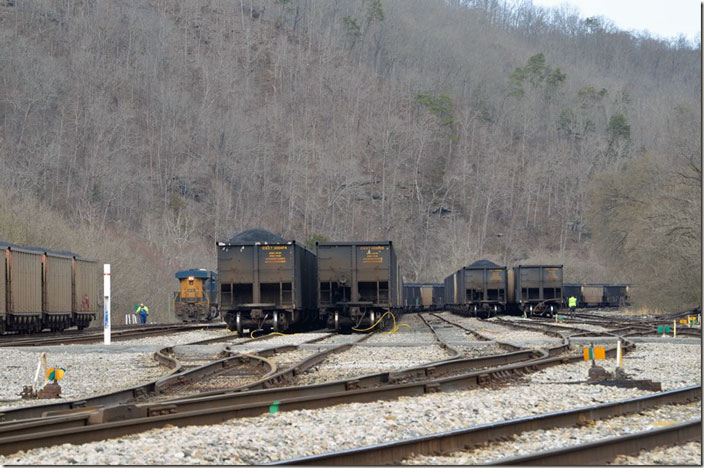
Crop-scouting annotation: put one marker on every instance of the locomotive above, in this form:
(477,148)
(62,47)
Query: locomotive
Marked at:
(196,300)
(43,289)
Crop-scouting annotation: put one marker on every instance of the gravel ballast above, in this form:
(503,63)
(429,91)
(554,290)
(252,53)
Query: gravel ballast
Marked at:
(293,434)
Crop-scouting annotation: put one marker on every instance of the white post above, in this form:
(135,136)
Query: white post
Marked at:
(674,328)
(619,355)
(106,304)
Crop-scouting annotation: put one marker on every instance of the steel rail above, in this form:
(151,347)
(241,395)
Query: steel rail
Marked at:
(115,335)
(282,376)
(463,439)
(127,419)
(480,335)
(454,353)
(138,392)
(603,451)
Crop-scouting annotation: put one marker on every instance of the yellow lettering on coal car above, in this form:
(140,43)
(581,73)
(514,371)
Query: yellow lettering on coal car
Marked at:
(275,253)
(495,275)
(373,254)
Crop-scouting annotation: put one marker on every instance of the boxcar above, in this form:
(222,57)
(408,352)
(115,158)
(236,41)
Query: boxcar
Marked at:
(196,299)
(536,289)
(358,282)
(266,286)
(477,289)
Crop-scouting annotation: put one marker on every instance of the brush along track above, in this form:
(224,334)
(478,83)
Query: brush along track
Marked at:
(102,423)
(463,439)
(86,336)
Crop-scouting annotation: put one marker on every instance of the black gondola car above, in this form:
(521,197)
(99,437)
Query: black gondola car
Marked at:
(478,289)
(358,282)
(536,289)
(423,296)
(266,285)
(617,295)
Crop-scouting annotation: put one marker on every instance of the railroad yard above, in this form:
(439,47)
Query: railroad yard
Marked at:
(441,383)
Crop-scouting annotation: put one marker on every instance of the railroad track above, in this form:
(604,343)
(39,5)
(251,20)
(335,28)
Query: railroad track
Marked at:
(98,423)
(584,454)
(85,336)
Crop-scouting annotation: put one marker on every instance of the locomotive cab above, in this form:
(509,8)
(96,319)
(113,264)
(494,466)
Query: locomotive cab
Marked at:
(195,301)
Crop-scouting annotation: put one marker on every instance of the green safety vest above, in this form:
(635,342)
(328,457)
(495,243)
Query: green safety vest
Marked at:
(572,301)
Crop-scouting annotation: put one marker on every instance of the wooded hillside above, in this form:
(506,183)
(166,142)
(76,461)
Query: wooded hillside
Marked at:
(140,132)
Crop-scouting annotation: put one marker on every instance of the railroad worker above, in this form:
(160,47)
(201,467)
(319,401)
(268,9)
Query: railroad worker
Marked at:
(143,311)
(572,303)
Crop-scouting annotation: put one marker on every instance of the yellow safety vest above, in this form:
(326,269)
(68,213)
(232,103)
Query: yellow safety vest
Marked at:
(572,301)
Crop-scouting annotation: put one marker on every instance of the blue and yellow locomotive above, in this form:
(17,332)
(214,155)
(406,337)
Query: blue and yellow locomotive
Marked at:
(197,299)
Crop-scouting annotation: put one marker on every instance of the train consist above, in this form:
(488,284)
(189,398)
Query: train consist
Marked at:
(485,288)
(197,298)
(267,282)
(43,289)
(598,294)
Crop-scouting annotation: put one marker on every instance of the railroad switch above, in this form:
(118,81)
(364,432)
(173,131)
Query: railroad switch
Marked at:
(50,390)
